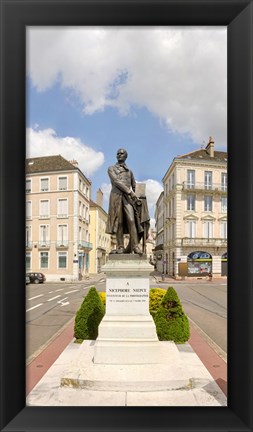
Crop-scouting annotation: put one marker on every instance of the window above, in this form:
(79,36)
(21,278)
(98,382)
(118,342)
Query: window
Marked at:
(43,260)
(28,236)
(80,235)
(223,231)
(87,191)
(86,213)
(173,231)
(208,203)
(28,209)
(62,235)
(62,260)
(173,181)
(62,183)
(28,187)
(44,235)
(44,184)
(208,179)
(191,198)
(191,229)
(173,207)
(44,208)
(83,214)
(62,210)
(28,260)
(190,179)
(223,181)
(80,185)
(208,229)
(223,204)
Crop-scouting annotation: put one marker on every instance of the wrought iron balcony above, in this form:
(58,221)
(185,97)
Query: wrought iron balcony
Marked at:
(44,244)
(214,187)
(85,245)
(202,242)
(62,244)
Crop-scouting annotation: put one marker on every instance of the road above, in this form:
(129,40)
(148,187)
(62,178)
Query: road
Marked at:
(50,306)
(206,305)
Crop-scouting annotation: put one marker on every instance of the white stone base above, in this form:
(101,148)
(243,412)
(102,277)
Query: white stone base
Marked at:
(170,373)
(127,340)
(127,333)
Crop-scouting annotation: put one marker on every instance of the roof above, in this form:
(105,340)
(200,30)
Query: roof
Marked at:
(95,205)
(50,163)
(219,156)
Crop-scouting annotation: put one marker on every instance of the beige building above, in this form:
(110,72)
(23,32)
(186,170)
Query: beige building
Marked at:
(159,224)
(57,218)
(195,214)
(98,237)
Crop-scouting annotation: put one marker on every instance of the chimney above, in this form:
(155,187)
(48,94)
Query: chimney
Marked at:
(210,147)
(100,198)
(74,162)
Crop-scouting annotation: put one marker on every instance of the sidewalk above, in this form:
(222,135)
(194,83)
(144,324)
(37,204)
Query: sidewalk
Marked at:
(37,369)
(164,278)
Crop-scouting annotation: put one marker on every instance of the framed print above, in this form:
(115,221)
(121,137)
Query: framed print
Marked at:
(16,17)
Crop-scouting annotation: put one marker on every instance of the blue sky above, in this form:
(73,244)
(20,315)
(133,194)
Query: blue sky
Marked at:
(158,92)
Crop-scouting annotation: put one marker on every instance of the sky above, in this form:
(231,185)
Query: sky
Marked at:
(158,92)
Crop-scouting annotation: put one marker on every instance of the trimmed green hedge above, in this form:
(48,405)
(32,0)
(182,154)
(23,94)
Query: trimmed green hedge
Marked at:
(170,320)
(155,297)
(89,316)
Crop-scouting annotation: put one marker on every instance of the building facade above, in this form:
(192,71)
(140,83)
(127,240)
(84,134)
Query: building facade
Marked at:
(57,219)
(195,214)
(101,241)
(159,224)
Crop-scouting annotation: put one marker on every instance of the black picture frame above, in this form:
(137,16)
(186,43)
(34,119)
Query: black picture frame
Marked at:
(15,16)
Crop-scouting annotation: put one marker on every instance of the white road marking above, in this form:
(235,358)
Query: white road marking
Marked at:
(53,298)
(69,292)
(34,307)
(32,298)
(62,303)
(60,289)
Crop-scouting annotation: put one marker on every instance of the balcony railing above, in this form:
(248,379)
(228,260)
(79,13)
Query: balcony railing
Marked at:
(62,243)
(217,242)
(214,187)
(85,245)
(44,244)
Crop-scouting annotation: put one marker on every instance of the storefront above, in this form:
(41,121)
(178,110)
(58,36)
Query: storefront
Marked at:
(199,263)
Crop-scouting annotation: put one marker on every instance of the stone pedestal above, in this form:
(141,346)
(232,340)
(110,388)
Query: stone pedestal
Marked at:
(127,333)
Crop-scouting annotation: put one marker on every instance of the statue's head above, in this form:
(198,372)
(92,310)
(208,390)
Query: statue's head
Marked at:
(121,155)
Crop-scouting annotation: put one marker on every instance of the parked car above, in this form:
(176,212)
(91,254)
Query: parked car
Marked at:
(36,277)
(27,279)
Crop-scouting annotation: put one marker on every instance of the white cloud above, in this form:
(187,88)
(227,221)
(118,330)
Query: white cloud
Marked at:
(47,143)
(153,190)
(178,74)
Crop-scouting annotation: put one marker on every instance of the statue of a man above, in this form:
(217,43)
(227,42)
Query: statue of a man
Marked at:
(122,214)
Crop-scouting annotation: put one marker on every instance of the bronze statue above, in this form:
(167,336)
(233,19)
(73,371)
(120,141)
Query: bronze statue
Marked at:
(128,213)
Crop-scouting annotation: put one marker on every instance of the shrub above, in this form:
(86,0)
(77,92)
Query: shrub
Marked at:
(102,296)
(155,297)
(170,320)
(89,316)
